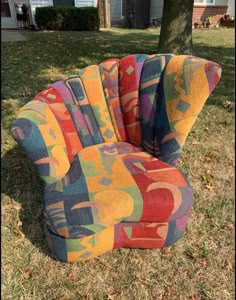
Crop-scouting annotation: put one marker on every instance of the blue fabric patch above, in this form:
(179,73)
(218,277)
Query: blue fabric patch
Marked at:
(182,106)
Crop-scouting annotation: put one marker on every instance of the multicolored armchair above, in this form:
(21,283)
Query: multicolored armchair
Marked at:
(106,143)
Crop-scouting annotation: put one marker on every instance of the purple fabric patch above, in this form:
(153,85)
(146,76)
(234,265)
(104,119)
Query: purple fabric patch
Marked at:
(147,109)
(63,90)
(181,223)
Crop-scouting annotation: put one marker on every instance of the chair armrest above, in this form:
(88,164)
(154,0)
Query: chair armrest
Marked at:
(38,132)
(186,83)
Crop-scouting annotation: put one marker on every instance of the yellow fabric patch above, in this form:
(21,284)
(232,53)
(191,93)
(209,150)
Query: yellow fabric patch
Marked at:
(104,241)
(91,79)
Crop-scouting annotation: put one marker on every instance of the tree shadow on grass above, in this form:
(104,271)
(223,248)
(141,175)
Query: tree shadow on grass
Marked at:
(30,66)
(22,184)
(225,58)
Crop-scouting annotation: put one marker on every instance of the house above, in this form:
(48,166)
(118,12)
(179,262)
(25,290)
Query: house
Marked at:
(10,9)
(144,10)
(120,9)
(216,9)
(202,10)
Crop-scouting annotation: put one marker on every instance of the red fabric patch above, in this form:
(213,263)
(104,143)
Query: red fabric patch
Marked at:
(143,235)
(54,99)
(158,201)
(129,98)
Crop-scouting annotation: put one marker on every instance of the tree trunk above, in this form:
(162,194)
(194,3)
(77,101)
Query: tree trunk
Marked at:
(176,27)
(104,13)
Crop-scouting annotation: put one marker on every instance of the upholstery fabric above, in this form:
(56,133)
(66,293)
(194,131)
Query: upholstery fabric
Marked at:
(106,143)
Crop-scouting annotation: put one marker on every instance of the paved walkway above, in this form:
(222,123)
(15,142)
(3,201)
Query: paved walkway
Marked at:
(12,36)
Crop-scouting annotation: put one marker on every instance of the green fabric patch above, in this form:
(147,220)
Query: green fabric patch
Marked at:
(31,115)
(128,231)
(49,179)
(140,166)
(169,87)
(51,96)
(129,70)
(73,245)
(94,227)
(96,110)
(89,168)
(59,186)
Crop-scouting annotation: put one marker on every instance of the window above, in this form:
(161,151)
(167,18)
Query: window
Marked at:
(205,2)
(123,8)
(82,3)
(5,9)
(63,2)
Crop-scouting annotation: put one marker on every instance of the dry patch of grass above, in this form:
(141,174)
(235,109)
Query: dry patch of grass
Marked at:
(201,265)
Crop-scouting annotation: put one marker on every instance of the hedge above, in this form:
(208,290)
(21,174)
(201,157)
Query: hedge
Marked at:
(67,18)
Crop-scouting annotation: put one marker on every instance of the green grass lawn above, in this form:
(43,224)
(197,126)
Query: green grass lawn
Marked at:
(201,265)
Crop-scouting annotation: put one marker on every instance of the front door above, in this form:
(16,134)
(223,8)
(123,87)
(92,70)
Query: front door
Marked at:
(8,14)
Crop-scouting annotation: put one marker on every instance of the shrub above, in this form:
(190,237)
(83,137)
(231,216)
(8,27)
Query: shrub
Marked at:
(67,18)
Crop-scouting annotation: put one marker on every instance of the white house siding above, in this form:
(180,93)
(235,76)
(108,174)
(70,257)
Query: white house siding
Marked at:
(231,8)
(83,3)
(156,9)
(222,2)
(115,10)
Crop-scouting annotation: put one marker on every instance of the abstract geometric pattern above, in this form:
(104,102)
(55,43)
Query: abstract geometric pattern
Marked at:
(149,91)
(106,142)
(109,71)
(129,76)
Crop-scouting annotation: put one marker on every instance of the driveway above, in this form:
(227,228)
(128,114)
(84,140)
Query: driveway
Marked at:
(12,36)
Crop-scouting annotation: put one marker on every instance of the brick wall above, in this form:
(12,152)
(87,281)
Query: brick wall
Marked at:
(201,13)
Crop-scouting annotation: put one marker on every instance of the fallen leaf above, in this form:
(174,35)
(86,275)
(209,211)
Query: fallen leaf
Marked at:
(231,226)
(202,261)
(21,234)
(210,187)
(227,104)
(168,294)
(19,224)
(71,278)
(28,274)
(166,250)
(229,266)
(195,143)
(105,263)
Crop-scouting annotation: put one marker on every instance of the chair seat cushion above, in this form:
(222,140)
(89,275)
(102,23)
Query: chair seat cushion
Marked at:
(112,183)
(121,235)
